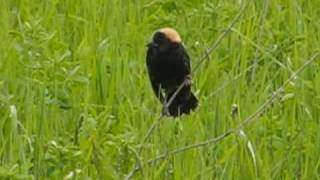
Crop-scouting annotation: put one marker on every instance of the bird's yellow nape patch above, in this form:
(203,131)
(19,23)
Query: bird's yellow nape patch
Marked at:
(171,34)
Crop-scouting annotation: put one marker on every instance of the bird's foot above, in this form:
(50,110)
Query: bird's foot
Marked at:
(188,81)
(165,110)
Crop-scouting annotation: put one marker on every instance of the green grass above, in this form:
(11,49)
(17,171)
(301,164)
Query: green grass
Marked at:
(75,99)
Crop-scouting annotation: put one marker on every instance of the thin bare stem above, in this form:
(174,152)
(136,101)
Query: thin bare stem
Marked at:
(243,124)
(215,44)
(200,61)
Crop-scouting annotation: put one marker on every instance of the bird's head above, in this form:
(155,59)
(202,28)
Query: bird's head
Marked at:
(165,39)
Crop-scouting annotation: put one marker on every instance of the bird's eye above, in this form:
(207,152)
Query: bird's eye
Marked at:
(174,45)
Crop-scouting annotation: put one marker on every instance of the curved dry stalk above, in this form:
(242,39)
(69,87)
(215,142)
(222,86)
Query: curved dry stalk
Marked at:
(215,44)
(200,61)
(232,131)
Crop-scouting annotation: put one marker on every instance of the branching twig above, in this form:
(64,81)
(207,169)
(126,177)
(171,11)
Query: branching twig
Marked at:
(200,61)
(277,92)
(242,125)
(215,44)
(150,130)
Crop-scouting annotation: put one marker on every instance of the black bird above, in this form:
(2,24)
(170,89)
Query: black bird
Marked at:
(168,66)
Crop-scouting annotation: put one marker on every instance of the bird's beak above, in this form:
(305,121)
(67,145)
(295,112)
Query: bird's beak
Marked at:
(152,44)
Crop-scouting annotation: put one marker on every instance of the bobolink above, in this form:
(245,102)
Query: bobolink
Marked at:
(168,66)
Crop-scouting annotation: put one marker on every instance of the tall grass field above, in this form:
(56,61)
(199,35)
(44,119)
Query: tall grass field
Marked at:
(76,101)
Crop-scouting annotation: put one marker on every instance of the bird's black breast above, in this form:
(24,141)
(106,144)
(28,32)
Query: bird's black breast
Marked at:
(168,68)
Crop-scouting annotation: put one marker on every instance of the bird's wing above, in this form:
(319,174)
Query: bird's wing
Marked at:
(186,61)
(154,83)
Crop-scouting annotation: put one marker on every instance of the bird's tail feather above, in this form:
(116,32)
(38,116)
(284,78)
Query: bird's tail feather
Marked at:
(181,106)
(191,103)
